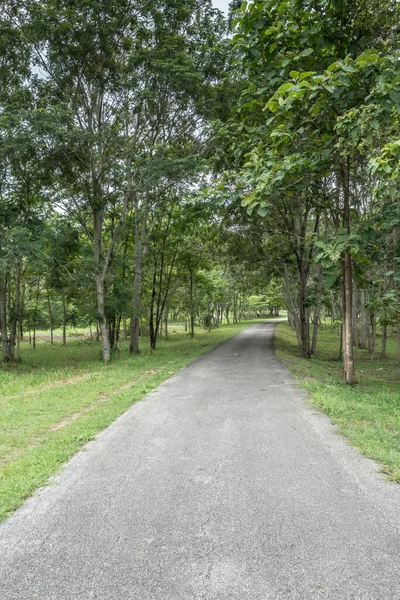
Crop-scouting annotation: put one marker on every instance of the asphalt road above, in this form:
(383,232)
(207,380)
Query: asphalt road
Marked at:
(222,485)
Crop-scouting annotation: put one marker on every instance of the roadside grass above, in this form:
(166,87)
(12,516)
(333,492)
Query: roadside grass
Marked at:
(368,414)
(58,398)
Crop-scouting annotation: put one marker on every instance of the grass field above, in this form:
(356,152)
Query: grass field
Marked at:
(58,398)
(368,414)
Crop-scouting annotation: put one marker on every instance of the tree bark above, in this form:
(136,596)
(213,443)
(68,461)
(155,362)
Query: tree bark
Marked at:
(384,341)
(5,342)
(64,334)
(140,239)
(354,316)
(363,320)
(398,339)
(317,312)
(50,318)
(347,282)
(373,334)
(191,313)
(303,318)
(98,218)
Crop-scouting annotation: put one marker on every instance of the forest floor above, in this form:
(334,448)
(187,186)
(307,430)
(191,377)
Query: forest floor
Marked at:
(368,414)
(58,398)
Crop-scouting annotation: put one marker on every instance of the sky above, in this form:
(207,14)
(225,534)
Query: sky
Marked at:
(222,5)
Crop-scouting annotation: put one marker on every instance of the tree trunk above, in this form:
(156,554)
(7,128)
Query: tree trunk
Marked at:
(384,341)
(373,334)
(398,339)
(191,313)
(363,320)
(348,359)
(35,312)
(354,317)
(347,283)
(50,319)
(317,312)
(7,350)
(235,319)
(140,237)
(166,322)
(316,318)
(64,334)
(303,318)
(98,218)
(227,314)
(125,330)
(153,319)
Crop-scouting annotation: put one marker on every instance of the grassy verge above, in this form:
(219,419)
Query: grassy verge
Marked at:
(58,398)
(368,414)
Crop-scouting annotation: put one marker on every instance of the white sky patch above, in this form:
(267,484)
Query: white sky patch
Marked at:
(222,5)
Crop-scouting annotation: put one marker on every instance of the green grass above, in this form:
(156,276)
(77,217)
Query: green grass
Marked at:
(58,398)
(368,414)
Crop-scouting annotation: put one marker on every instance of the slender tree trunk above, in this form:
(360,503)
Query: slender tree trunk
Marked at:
(348,358)
(125,330)
(15,310)
(153,318)
(50,318)
(35,312)
(227,314)
(317,312)
(316,319)
(235,320)
(21,310)
(140,238)
(363,320)
(191,312)
(5,342)
(354,317)
(98,218)
(166,323)
(137,308)
(396,233)
(64,333)
(384,341)
(118,329)
(373,334)
(398,339)
(303,318)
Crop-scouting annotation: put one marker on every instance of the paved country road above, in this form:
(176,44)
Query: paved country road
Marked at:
(222,485)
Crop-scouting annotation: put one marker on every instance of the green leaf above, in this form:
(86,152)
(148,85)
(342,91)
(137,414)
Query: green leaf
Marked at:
(307,52)
(306,74)
(262,211)
(284,88)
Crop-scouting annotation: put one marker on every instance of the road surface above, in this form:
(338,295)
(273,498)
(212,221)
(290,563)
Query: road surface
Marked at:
(221,485)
